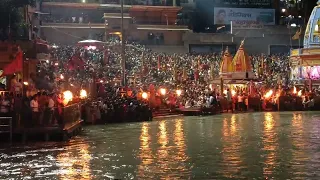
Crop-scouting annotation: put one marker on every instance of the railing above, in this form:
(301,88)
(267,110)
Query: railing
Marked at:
(126,2)
(71,114)
(6,126)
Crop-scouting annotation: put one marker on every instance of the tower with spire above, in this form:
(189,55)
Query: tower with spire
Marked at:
(226,64)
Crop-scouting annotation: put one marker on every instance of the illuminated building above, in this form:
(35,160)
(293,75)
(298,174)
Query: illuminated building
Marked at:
(66,22)
(305,61)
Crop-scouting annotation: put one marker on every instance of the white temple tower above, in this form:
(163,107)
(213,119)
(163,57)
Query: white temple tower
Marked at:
(312,33)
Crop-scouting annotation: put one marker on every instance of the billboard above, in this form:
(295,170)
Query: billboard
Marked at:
(244,18)
(244,3)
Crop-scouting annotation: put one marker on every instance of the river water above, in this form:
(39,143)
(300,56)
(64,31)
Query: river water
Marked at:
(275,145)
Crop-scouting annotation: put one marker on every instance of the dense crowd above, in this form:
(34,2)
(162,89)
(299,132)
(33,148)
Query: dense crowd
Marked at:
(190,72)
(78,66)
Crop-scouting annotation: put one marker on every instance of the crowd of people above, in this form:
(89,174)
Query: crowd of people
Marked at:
(79,65)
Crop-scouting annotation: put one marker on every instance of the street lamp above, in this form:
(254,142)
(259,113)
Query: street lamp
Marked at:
(123,56)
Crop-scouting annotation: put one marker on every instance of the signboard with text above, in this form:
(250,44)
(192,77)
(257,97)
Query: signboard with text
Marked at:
(244,18)
(244,3)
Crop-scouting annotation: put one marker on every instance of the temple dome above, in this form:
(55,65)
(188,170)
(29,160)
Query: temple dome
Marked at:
(226,64)
(241,61)
(312,33)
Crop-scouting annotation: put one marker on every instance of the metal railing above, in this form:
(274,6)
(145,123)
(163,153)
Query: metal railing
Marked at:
(6,126)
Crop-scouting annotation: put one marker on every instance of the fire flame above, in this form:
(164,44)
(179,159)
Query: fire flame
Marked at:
(268,94)
(83,94)
(300,93)
(67,97)
(179,92)
(294,90)
(163,91)
(144,95)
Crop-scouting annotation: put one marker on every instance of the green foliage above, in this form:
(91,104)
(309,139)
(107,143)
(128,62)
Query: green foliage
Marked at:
(12,13)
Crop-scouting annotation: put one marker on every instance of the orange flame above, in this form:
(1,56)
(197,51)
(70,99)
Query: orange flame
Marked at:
(294,90)
(67,97)
(268,94)
(300,93)
(83,94)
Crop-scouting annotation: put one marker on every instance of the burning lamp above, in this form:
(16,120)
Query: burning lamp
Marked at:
(300,93)
(26,83)
(67,97)
(178,92)
(163,91)
(83,94)
(268,94)
(294,90)
(101,81)
(61,76)
(145,95)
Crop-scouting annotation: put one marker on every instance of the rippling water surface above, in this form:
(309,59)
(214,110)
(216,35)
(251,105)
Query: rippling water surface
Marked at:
(229,146)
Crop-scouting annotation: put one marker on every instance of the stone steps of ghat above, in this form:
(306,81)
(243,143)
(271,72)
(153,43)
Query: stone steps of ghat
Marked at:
(164,112)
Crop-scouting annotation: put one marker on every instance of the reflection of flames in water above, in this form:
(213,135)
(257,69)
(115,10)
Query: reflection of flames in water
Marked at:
(298,142)
(269,144)
(231,144)
(179,141)
(145,150)
(170,159)
(163,150)
(75,165)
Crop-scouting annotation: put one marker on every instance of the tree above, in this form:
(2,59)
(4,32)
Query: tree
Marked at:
(12,15)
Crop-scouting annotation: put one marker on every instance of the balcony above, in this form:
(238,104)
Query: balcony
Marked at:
(126,2)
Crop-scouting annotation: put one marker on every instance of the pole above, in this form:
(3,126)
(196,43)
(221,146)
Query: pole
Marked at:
(9,31)
(123,63)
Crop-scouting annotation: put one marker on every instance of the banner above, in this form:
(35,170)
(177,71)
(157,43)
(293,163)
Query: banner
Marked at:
(244,4)
(244,18)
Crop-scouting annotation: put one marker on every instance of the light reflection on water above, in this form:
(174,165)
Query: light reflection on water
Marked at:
(270,145)
(229,146)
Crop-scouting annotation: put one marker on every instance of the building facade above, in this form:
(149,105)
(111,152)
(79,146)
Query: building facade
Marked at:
(225,23)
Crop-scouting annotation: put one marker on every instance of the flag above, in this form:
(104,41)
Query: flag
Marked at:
(297,35)
(15,65)
(184,74)
(159,62)
(106,57)
(196,75)
(76,62)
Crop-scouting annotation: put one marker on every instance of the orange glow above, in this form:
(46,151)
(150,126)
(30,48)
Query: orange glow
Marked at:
(144,95)
(163,91)
(83,94)
(294,90)
(300,93)
(268,94)
(179,92)
(26,83)
(67,97)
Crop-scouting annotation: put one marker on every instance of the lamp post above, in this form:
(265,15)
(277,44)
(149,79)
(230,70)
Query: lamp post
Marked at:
(123,56)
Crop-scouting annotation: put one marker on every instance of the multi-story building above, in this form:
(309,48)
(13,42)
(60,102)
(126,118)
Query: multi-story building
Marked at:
(202,25)
(68,22)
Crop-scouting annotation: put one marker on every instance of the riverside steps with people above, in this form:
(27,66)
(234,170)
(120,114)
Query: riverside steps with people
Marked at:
(88,76)
(86,82)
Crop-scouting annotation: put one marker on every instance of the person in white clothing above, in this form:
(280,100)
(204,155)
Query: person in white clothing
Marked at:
(35,110)
(18,87)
